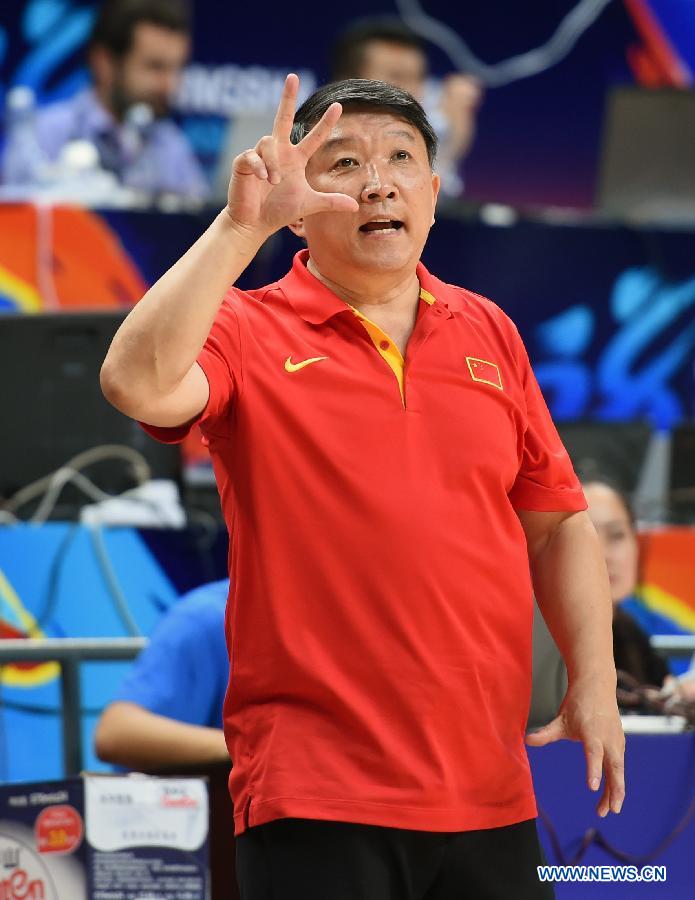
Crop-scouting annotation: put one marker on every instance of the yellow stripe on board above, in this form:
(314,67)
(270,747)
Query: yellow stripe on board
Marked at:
(26,296)
(26,620)
(662,602)
(13,676)
(10,674)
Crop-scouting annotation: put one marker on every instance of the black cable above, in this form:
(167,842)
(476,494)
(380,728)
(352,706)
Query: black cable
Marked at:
(634,696)
(594,836)
(643,698)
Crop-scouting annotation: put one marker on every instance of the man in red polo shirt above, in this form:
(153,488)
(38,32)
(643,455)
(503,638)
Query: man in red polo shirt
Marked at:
(387,469)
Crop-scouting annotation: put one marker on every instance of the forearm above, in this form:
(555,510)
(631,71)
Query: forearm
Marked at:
(162,336)
(572,590)
(129,735)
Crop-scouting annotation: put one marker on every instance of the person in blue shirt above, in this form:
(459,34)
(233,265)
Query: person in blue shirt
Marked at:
(136,54)
(612,517)
(167,713)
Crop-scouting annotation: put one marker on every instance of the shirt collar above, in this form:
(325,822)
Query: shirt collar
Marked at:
(95,117)
(316,303)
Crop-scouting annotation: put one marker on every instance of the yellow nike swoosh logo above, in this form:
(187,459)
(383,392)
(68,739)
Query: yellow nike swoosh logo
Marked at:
(295,367)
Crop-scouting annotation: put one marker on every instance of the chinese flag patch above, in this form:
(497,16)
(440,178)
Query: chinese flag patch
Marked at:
(487,372)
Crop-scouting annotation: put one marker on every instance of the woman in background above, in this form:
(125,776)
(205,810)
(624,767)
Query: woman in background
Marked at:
(633,621)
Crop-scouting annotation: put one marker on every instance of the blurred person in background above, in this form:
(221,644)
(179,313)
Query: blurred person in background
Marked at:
(633,620)
(166,716)
(383,48)
(136,55)
(167,712)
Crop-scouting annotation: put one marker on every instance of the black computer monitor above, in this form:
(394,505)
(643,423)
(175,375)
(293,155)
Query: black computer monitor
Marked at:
(52,408)
(647,171)
(612,450)
(682,487)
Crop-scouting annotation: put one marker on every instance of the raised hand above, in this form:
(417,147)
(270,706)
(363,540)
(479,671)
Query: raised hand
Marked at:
(268,188)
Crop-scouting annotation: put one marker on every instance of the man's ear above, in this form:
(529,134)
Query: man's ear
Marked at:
(436,184)
(103,65)
(297,228)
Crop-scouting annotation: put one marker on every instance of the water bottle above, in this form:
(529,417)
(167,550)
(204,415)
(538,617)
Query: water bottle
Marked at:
(23,159)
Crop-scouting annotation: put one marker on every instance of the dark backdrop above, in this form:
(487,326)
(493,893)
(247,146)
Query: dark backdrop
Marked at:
(538,138)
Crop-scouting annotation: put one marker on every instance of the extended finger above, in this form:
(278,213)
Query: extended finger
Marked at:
(311,142)
(267,149)
(250,163)
(553,731)
(615,778)
(284,117)
(593,751)
(320,202)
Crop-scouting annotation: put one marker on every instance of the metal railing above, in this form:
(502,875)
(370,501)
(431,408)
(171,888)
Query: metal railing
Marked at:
(69,653)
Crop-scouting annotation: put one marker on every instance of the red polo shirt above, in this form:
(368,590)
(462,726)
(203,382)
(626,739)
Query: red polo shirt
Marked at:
(379,621)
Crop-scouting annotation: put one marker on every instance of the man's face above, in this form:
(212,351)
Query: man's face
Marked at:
(381,161)
(405,67)
(150,71)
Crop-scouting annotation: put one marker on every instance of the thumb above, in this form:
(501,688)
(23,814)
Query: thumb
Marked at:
(548,734)
(320,202)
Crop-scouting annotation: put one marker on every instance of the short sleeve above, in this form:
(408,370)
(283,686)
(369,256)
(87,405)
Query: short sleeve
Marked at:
(182,673)
(546,481)
(220,360)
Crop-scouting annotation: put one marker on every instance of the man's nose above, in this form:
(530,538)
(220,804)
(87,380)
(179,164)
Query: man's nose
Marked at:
(377,187)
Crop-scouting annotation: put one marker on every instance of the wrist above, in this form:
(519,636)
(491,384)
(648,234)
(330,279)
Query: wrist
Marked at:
(247,237)
(603,678)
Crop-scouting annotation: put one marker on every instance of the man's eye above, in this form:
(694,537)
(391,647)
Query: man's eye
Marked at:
(346,163)
(401,155)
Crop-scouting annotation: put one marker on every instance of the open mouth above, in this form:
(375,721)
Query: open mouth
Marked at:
(384,226)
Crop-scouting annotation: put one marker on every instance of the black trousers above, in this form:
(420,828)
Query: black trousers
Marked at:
(309,859)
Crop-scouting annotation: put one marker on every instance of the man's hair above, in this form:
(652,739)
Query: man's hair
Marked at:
(348,53)
(362,95)
(117,20)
